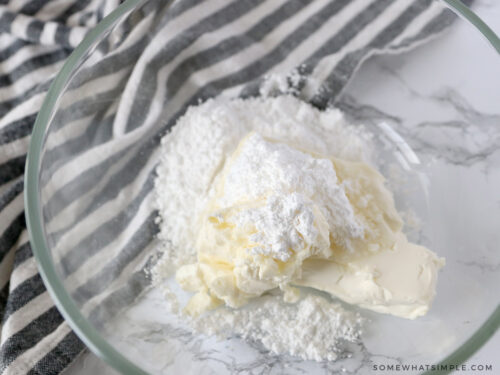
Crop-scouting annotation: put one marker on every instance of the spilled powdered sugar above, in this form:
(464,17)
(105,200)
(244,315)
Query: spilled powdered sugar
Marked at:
(312,329)
(193,156)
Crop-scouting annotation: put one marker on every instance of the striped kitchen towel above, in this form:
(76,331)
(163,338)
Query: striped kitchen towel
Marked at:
(225,46)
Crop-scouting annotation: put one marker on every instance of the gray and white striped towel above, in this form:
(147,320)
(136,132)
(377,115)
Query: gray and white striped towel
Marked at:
(327,39)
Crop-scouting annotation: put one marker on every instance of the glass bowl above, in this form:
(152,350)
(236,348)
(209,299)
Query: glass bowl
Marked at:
(90,174)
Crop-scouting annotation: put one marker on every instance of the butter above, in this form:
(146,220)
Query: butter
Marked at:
(280,216)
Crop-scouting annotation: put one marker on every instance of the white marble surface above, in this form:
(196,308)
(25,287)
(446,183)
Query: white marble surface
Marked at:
(393,70)
(489,11)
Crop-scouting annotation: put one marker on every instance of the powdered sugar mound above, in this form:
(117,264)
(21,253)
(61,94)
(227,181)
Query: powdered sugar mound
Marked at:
(284,223)
(192,159)
(264,166)
(195,151)
(312,329)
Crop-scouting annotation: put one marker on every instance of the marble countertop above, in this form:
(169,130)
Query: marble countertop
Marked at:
(489,10)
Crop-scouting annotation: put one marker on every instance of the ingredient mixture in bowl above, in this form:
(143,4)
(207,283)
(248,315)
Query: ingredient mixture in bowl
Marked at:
(270,211)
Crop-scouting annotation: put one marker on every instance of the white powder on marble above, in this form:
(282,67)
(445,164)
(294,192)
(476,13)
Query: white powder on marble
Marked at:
(311,329)
(193,155)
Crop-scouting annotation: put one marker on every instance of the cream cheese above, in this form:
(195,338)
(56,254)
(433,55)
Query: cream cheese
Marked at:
(400,280)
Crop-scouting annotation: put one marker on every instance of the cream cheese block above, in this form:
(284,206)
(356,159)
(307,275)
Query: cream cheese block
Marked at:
(400,281)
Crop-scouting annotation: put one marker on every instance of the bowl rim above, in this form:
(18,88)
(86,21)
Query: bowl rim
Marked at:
(62,299)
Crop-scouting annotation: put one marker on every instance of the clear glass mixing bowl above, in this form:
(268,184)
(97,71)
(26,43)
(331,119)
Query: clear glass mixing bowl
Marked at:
(435,112)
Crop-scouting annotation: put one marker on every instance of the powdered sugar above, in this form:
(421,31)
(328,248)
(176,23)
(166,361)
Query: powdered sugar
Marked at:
(284,223)
(264,166)
(198,146)
(275,83)
(195,154)
(312,329)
